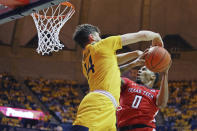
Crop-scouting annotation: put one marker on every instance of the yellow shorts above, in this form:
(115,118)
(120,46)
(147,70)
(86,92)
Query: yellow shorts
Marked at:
(97,112)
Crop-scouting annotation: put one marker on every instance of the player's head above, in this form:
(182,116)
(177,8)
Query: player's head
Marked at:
(85,34)
(147,77)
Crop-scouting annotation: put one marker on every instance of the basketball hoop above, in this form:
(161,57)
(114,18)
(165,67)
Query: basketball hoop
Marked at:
(49,22)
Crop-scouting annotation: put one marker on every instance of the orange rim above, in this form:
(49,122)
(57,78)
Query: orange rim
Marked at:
(54,17)
(68,4)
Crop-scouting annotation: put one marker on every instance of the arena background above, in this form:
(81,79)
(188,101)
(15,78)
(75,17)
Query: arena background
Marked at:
(20,64)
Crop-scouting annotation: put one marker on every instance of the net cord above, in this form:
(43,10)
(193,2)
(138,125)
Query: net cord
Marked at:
(48,27)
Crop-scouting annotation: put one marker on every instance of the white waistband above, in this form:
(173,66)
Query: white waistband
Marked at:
(109,95)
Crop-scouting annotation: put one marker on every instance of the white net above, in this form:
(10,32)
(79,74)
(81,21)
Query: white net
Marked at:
(49,22)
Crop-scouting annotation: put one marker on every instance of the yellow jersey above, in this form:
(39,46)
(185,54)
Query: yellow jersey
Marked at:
(100,65)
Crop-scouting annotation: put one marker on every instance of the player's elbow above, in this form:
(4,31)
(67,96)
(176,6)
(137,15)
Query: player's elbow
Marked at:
(162,100)
(162,104)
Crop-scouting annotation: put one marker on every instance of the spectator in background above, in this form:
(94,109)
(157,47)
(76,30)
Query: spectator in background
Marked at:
(193,122)
(58,128)
(1,116)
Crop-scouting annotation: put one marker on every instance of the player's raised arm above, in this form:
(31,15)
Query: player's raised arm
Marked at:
(131,38)
(128,56)
(137,62)
(162,97)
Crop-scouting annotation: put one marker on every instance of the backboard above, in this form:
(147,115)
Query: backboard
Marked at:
(15,9)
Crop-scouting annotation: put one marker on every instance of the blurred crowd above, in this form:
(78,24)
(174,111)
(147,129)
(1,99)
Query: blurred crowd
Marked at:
(59,96)
(181,112)
(12,95)
(62,98)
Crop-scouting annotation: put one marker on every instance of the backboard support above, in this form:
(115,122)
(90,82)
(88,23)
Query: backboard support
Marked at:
(16,9)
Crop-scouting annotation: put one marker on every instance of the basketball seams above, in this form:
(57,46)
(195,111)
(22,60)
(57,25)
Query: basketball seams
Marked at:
(162,68)
(157,50)
(153,57)
(147,63)
(157,59)
(160,61)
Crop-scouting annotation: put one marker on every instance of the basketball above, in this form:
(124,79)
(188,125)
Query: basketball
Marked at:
(157,59)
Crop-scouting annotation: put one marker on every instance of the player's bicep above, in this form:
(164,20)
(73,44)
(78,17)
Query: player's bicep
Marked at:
(131,38)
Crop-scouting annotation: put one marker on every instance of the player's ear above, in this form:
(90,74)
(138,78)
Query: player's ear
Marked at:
(91,37)
(153,77)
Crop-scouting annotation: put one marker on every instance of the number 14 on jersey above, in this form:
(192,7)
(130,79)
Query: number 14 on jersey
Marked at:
(89,67)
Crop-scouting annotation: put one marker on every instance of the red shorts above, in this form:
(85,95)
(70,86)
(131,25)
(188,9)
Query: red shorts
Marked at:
(143,129)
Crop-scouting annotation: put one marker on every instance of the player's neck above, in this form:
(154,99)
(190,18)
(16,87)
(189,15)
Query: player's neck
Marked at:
(149,84)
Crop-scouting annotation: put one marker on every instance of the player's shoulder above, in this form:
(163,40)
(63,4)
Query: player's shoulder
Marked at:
(111,37)
(111,43)
(107,40)
(89,49)
(127,80)
(153,90)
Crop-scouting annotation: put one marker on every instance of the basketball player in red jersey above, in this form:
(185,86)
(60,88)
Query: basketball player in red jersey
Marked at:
(139,103)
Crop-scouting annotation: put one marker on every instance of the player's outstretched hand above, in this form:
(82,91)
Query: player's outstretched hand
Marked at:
(167,69)
(157,41)
(140,61)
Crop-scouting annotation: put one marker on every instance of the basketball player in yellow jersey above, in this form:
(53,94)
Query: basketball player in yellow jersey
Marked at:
(97,111)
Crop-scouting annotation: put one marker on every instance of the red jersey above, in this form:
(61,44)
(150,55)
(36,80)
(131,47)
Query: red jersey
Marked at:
(137,104)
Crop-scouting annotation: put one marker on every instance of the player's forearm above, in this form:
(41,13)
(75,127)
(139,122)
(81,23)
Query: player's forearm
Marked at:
(162,98)
(126,57)
(128,66)
(131,38)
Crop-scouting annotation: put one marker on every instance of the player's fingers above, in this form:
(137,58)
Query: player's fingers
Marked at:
(141,62)
(167,69)
(170,64)
(140,52)
(144,53)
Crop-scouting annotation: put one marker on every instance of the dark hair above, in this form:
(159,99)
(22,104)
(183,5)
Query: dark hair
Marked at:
(82,32)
